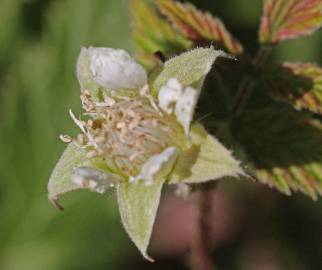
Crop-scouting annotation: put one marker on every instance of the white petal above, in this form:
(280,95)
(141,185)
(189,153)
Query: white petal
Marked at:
(115,69)
(174,83)
(94,180)
(157,166)
(185,107)
(169,94)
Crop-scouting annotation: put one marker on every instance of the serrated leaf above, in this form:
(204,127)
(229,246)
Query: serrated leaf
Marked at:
(285,19)
(299,84)
(199,26)
(138,205)
(206,160)
(285,147)
(188,68)
(60,181)
(152,33)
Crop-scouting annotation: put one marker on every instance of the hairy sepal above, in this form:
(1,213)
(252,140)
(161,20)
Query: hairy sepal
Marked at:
(138,205)
(205,160)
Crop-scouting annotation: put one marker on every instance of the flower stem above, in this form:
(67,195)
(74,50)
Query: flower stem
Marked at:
(248,82)
(201,246)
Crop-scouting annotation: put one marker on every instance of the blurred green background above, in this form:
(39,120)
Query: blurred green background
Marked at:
(39,44)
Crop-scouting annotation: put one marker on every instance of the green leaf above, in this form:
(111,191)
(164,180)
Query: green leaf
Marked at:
(299,84)
(152,33)
(138,206)
(207,159)
(285,147)
(285,19)
(60,181)
(188,68)
(199,26)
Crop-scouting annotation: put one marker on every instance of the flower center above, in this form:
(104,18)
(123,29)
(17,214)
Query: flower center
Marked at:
(127,133)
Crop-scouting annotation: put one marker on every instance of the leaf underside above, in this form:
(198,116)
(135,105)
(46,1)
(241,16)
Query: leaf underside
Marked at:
(138,205)
(206,160)
(151,33)
(299,84)
(285,19)
(285,147)
(199,27)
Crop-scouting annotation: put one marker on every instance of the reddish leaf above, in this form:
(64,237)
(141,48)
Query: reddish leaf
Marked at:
(299,84)
(152,33)
(285,19)
(198,26)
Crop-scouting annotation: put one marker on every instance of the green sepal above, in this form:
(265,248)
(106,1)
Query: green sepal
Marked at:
(60,181)
(138,205)
(205,160)
(189,68)
(84,74)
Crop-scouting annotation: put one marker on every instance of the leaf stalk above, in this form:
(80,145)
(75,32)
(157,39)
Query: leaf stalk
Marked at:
(248,83)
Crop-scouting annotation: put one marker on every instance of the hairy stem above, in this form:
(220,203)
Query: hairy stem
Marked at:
(248,82)
(200,246)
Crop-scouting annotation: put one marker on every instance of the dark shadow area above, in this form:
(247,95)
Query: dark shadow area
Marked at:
(279,136)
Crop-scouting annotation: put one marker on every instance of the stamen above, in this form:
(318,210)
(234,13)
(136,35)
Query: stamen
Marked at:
(126,132)
(65,138)
(144,92)
(81,125)
(80,139)
(91,154)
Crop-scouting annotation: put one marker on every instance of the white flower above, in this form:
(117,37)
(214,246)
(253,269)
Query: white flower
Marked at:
(142,135)
(139,136)
(115,69)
